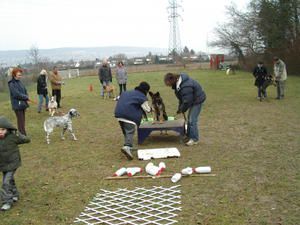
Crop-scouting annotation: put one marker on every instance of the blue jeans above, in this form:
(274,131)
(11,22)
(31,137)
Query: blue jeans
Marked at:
(41,99)
(104,83)
(192,128)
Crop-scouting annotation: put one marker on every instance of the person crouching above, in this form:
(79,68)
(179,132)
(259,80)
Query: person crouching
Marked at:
(10,160)
(129,112)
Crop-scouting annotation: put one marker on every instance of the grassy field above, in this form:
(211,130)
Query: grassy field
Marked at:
(252,146)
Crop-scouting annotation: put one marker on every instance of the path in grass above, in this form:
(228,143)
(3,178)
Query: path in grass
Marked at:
(252,146)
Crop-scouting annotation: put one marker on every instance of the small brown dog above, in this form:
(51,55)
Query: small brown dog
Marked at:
(109,91)
(158,108)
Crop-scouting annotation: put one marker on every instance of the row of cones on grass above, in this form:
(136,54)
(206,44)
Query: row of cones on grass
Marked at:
(189,171)
(154,170)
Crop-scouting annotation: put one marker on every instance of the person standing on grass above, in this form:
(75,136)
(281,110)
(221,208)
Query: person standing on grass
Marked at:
(121,76)
(56,83)
(129,111)
(191,97)
(42,90)
(280,76)
(260,73)
(105,76)
(10,160)
(19,98)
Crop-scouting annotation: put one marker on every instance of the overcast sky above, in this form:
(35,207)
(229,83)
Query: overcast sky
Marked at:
(97,23)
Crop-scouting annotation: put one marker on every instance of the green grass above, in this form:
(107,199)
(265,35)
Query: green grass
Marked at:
(252,146)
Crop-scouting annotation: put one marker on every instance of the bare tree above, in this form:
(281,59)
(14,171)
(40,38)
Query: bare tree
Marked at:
(239,34)
(34,55)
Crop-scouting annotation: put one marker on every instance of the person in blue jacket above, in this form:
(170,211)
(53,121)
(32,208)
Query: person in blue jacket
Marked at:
(191,97)
(19,98)
(129,112)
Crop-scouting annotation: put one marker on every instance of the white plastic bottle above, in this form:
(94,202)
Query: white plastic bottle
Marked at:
(162,167)
(202,169)
(131,171)
(120,172)
(176,177)
(187,171)
(152,170)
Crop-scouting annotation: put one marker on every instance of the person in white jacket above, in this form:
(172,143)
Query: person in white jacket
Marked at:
(280,76)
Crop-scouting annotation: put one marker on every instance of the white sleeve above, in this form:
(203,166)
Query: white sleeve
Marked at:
(146,107)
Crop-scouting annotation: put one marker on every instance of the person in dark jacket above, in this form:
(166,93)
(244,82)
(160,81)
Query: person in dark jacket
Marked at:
(260,73)
(129,112)
(42,90)
(105,77)
(10,160)
(191,97)
(19,98)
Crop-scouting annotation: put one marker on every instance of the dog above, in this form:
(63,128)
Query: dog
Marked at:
(109,91)
(158,108)
(61,121)
(52,106)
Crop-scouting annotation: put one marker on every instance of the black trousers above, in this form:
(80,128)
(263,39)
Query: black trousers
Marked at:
(122,88)
(57,93)
(21,121)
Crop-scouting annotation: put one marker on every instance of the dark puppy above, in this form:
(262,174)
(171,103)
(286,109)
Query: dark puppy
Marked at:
(158,108)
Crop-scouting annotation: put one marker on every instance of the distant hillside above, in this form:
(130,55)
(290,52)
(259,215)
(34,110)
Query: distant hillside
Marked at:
(9,58)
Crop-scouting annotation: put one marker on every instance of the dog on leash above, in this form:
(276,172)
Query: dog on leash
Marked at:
(65,122)
(52,106)
(109,91)
(158,108)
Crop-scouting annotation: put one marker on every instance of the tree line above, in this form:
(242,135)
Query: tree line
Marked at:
(265,29)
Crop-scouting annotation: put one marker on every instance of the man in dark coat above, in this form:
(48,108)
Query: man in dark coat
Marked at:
(129,111)
(42,90)
(10,160)
(105,77)
(191,97)
(260,73)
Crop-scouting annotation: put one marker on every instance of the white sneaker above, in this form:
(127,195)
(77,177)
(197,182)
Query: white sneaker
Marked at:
(6,207)
(126,150)
(15,199)
(191,142)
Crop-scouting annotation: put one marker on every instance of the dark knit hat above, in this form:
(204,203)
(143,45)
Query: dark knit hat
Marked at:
(143,87)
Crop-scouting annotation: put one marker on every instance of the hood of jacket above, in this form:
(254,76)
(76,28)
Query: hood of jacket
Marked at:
(4,123)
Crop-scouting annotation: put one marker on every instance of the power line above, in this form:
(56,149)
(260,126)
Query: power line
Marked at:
(174,35)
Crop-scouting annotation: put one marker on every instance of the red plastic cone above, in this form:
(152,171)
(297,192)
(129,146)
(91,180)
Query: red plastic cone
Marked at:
(91,88)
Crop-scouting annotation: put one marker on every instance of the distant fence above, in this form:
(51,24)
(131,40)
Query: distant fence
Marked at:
(73,73)
(70,73)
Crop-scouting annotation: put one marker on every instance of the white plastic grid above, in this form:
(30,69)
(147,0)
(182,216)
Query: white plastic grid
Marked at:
(156,205)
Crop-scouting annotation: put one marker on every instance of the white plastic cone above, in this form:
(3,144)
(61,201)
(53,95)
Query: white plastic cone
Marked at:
(120,172)
(187,171)
(176,177)
(162,167)
(202,169)
(131,171)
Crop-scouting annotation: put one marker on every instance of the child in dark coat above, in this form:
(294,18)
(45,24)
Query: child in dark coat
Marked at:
(10,160)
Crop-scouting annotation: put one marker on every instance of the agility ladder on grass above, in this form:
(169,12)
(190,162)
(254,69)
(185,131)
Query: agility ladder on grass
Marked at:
(156,205)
